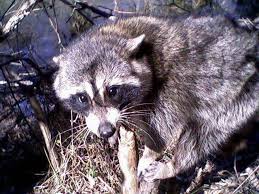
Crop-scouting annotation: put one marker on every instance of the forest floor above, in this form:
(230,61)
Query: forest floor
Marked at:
(90,165)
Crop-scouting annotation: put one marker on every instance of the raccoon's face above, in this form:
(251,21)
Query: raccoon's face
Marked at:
(97,81)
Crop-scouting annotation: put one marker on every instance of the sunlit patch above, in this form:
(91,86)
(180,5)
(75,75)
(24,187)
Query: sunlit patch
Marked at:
(100,86)
(93,122)
(131,80)
(89,90)
(66,92)
(112,115)
(140,68)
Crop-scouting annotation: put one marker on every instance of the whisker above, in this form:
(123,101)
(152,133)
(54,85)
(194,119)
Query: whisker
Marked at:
(76,134)
(137,113)
(77,126)
(86,134)
(85,129)
(70,129)
(135,125)
(82,128)
(140,120)
(145,123)
(143,110)
(134,106)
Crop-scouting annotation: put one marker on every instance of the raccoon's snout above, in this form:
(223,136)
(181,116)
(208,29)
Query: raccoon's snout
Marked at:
(106,130)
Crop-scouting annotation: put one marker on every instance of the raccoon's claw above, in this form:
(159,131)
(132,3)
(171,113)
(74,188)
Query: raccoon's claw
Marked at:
(155,171)
(152,172)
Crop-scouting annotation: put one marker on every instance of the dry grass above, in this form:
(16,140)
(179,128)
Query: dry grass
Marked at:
(88,165)
(245,182)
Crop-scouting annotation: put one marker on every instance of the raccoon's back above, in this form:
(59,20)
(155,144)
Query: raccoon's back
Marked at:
(214,61)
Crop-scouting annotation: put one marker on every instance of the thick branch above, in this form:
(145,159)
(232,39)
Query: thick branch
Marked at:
(94,9)
(128,161)
(23,11)
(45,132)
(6,59)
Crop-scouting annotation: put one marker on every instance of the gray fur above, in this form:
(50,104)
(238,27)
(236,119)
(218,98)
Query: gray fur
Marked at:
(198,82)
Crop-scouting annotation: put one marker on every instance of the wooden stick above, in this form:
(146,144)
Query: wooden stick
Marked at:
(45,132)
(20,13)
(128,161)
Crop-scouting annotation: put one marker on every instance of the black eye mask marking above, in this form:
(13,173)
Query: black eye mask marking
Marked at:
(121,95)
(79,103)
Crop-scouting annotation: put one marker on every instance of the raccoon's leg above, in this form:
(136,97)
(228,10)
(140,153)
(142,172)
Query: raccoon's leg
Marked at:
(201,138)
(185,156)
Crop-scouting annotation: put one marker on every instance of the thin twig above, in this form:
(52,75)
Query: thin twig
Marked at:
(54,26)
(235,191)
(78,10)
(174,4)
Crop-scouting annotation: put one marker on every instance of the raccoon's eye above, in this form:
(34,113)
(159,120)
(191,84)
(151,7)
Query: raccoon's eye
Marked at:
(82,98)
(112,91)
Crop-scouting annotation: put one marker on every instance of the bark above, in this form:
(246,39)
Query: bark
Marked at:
(128,159)
(20,13)
(52,155)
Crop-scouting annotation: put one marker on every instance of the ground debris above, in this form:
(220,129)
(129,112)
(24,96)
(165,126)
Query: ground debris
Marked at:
(88,165)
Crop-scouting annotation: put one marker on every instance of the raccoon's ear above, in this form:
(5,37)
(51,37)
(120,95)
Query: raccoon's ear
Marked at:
(134,43)
(56,60)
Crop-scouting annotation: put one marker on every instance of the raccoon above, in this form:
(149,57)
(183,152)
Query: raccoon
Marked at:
(187,84)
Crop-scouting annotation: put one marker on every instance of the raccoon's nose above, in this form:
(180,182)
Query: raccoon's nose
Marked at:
(106,130)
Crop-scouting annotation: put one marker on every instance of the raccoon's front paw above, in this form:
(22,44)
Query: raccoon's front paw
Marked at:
(143,164)
(157,170)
